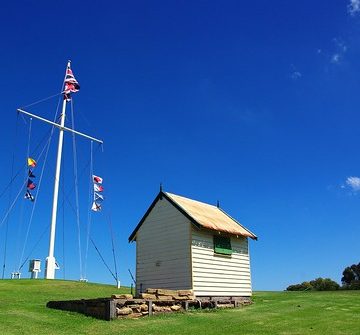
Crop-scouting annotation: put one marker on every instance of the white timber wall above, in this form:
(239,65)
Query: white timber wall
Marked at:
(220,275)
(163,258)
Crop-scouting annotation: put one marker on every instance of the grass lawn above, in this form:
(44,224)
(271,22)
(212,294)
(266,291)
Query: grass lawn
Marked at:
(23,311)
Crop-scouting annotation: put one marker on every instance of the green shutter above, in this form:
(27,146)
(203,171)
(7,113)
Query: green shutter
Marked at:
(222,245)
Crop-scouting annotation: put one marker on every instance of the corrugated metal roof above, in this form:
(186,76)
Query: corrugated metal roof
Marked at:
(210,217)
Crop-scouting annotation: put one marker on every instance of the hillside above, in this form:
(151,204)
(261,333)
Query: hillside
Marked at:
(23,311)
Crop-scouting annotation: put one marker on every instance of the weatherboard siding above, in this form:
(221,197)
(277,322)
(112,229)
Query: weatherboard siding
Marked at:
(163,249)
(220,275)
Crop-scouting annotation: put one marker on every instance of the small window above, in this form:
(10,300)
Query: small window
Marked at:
(222,245)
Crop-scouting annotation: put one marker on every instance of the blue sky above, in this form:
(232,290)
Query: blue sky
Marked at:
(254,104)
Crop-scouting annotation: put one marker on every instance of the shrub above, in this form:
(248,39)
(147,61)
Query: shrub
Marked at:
(324,284)
(304,286)
(318,284)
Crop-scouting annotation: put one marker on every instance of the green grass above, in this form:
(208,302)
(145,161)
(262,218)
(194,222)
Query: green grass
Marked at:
(23,311)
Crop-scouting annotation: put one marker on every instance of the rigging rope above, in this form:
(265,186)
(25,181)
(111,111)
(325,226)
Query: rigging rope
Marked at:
(42,100)
(92,241)
(89,211)
(76,189)
(26,171)
(47,147)
(10,195)
(113,248)
(63,218)
(34,247)
(38,192)
(25,164)
(98,251)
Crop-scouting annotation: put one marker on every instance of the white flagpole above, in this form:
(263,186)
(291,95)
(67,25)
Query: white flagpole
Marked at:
(51,265)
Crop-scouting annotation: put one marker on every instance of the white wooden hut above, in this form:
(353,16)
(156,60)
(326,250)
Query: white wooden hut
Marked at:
(187,244)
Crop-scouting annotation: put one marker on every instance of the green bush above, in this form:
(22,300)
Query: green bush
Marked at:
(324,284)
(304,286)
(318,284)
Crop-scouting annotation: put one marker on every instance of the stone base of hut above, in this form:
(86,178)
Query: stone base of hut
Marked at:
(151,302)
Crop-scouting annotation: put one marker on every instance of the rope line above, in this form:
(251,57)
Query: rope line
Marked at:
(25,164)
(37,195)
(102,258)
(89,211)
(92,241)
(63,217)
(46,147)
(12,205)
(26,176)
(113,247)
(10,195)
(34,247)
(42,100)
(76,189)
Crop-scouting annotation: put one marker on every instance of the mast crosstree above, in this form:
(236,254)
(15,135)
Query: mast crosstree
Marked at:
(51,265)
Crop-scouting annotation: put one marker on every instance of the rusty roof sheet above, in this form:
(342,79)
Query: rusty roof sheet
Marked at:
(210,217)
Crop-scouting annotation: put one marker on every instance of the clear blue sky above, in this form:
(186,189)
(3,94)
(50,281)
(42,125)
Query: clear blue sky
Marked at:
(255,104)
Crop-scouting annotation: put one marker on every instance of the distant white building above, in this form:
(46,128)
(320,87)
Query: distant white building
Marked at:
(186,244)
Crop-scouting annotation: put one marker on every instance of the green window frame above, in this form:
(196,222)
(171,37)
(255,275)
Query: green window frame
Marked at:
(222,245)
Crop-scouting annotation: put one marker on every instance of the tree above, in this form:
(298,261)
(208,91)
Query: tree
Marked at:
(351,277)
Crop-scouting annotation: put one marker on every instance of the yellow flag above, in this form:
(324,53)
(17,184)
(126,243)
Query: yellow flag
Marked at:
(31,162)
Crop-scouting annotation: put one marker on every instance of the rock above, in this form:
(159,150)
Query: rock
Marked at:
(134,315)
(148,296)
(151,290)
(136,309)
(124,311)
(122,296)
(165,297)
(185,292)
(157,308)
(175,308)
(144,307)
(166,292)
(183,297)
(225,306)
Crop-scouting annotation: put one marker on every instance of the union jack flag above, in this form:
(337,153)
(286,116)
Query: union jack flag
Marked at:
(71,85)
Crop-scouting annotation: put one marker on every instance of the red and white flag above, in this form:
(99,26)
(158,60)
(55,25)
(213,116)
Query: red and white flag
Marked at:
(97,179)
(98,188)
